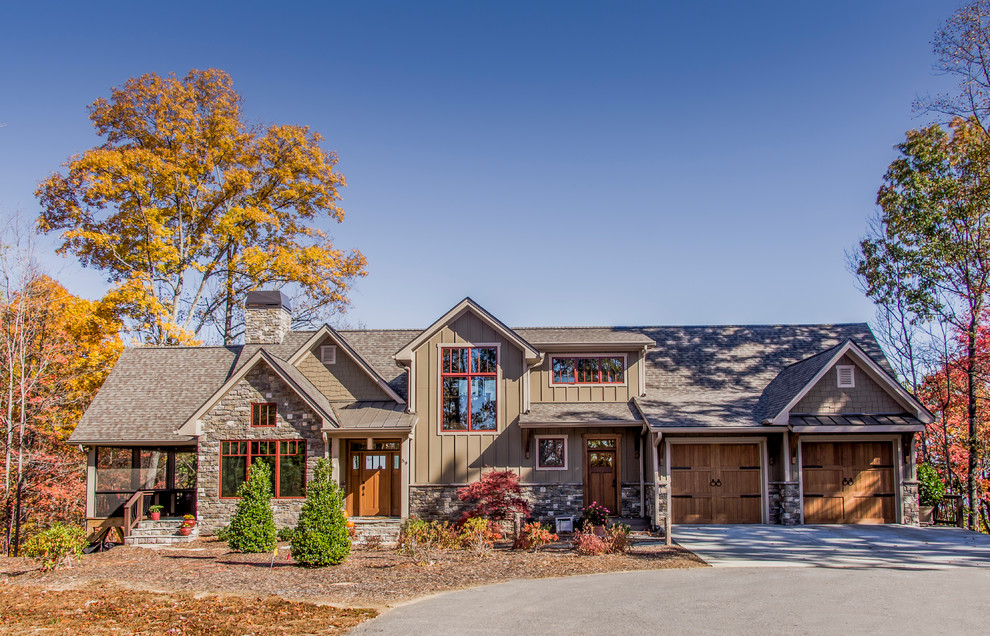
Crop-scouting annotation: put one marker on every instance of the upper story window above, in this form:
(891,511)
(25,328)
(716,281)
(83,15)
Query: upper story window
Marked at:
(588,370)
(469,385)
(263,414)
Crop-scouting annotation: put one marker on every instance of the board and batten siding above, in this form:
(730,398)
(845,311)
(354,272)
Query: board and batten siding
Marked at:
(460,458)
(543,389)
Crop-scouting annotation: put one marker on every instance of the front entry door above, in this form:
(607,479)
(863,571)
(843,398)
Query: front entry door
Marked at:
(373,482)
(601,472)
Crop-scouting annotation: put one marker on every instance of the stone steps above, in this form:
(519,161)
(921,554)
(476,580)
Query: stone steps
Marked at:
(386,528)
(162,532)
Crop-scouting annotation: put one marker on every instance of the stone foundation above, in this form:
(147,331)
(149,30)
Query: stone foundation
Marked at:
(909,503)
(547,501)
(785,502)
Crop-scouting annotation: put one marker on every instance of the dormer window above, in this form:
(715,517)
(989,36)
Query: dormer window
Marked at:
(328,354)
(847,375)
(469,385)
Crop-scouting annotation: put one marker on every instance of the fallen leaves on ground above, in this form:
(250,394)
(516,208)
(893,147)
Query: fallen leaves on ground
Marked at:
(30,608)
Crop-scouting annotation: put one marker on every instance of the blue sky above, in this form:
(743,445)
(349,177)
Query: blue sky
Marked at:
(573,163)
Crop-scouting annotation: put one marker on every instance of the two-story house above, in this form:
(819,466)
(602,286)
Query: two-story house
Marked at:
(778,424)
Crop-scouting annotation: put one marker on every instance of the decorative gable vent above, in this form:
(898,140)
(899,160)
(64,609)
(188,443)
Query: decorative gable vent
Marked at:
(847,375)
(328,354)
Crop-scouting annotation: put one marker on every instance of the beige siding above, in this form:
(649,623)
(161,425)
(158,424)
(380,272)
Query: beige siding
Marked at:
(542,389)
(866,397)
(343,381)
(457,458)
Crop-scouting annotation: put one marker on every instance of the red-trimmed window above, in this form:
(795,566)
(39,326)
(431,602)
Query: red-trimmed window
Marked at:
(286,460)
(264,414)
(470,388)
(588,370)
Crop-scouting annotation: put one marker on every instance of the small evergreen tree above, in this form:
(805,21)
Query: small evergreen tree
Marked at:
(321,537)
(253,527)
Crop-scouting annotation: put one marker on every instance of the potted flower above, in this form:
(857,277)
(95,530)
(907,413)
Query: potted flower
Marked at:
(596,515)
(156,512)
(188,523)
(931,489)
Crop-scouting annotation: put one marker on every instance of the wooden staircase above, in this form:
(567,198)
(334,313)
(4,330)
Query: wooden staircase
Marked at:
(148,533)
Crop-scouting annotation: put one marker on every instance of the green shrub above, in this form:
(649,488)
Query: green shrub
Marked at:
(931,488)
(253,527)
(222,533)
(56,545)
(286,533)
(321,537)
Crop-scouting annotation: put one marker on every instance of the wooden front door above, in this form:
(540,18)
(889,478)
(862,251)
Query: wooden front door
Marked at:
(601,472)
(373,483)
(716,483)
(848,482)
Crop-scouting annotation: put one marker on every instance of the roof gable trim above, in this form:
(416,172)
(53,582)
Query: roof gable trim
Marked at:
(877,373)
(193,425)
(406,353)
(330,332)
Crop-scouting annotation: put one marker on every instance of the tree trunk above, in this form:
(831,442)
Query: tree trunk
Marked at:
(972,443)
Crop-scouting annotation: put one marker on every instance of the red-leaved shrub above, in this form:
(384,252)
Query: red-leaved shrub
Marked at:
(496,496)
(589,543)
(534,536)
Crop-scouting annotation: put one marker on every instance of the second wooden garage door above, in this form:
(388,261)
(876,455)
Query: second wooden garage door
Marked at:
(715,483)
(848,482)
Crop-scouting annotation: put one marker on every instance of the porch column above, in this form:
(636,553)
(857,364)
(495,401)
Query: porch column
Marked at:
(334,443)
(407,462)
(91,482)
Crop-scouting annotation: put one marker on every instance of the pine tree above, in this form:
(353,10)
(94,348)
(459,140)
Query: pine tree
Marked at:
(253,527)
(321,537)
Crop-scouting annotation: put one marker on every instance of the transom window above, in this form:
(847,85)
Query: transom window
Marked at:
(588,370)
(264,414)
(551,452)
(469,385)
(286,460)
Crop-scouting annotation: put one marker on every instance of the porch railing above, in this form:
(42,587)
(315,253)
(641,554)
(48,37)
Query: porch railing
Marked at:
(134,510)
(949,511)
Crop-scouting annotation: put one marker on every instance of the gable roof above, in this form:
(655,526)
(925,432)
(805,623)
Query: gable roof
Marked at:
(326,331)
(298,382)
(406,352)
(787,394)
(714,376)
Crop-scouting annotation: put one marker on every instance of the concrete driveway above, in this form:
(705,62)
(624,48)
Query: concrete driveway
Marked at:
(888,546)
(708,601)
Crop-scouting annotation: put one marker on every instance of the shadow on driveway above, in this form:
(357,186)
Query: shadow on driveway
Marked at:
(836,546)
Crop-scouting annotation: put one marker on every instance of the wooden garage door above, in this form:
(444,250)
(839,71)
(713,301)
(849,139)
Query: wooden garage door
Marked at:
(848,482)
(715,483)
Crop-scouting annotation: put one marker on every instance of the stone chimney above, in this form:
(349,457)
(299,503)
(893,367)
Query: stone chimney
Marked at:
(267,317)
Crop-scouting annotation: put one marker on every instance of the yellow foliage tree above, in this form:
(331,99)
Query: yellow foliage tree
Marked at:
(187,208)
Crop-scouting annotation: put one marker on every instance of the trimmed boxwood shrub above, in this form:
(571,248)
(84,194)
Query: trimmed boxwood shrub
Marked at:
(321,537)
(253,527)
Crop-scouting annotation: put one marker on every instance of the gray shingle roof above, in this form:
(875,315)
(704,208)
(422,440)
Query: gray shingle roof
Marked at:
(789,383)
(556,413)
(715,376)
(579,335)
(695,376)
(373,415)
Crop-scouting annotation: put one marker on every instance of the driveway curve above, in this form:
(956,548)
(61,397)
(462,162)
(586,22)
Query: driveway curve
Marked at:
(708,601)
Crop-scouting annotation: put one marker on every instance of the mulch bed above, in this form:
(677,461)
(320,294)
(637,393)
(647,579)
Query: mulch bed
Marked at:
(368,578)
(32,609)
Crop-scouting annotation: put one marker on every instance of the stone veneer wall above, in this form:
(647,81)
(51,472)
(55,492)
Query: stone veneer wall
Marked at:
(230,420)
(266,325)
(785,502)
(546,501)
(909,503)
